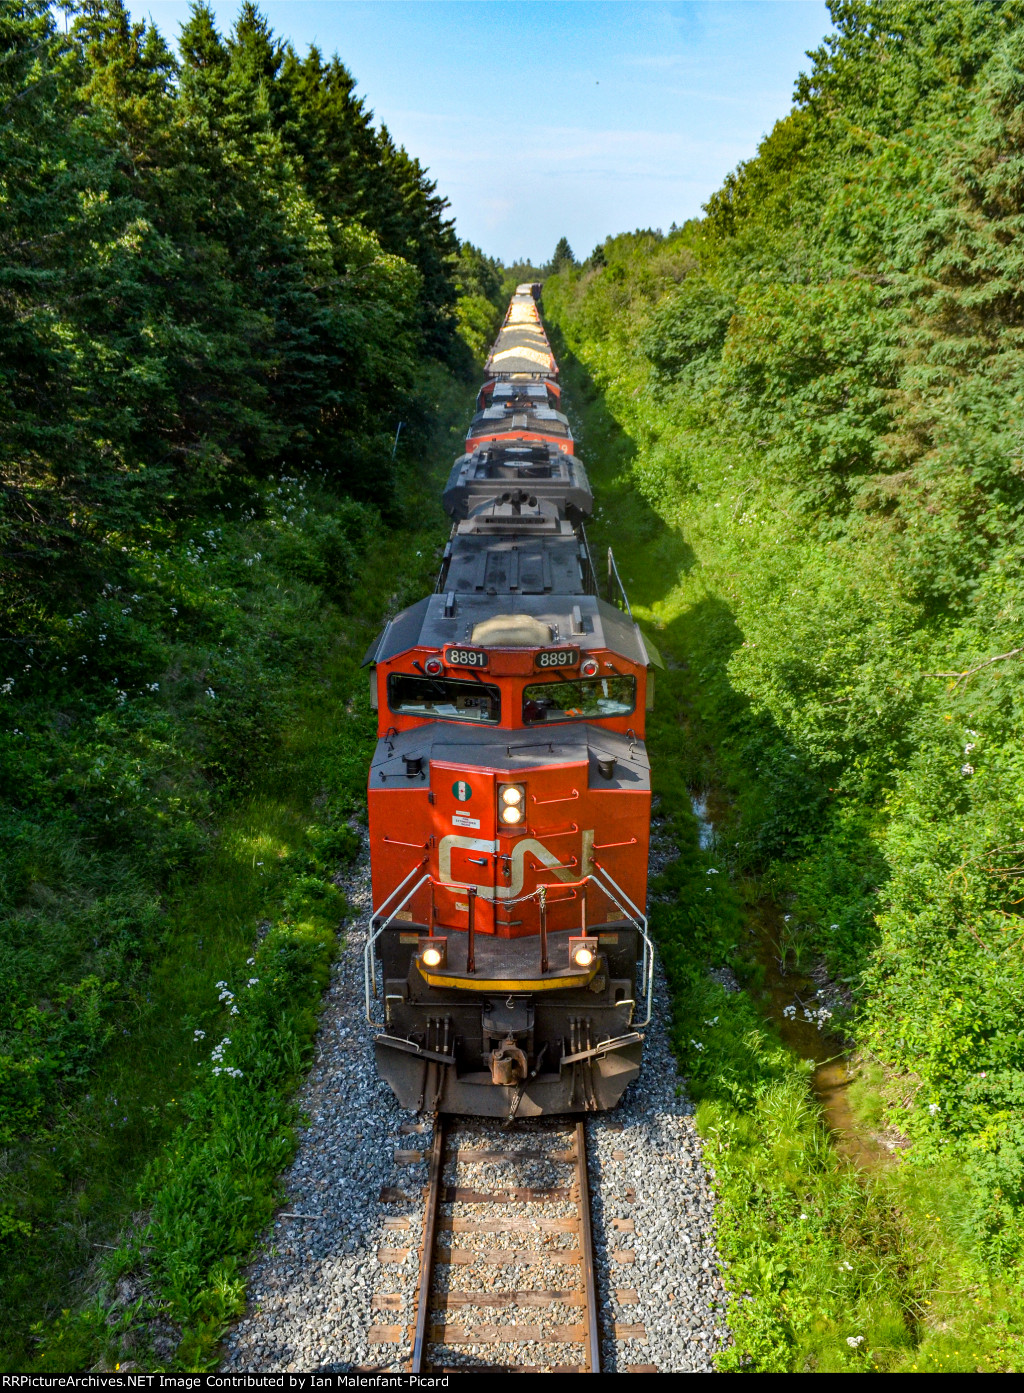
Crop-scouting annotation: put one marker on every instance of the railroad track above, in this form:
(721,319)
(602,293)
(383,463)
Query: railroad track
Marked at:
(484,1239)
(506,1260)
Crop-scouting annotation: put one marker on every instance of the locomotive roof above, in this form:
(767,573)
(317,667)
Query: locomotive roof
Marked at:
(450,618)
(521,389)
(533,469)
(504,410)
(504,565)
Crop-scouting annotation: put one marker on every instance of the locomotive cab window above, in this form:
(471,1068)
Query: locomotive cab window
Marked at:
(443,698)
(583,699)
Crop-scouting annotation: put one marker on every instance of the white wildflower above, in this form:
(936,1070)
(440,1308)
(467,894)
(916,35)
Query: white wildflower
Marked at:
(933,1108)
(855,1341)
(199,1035)
(967,769)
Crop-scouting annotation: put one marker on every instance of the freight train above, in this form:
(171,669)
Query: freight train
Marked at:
(508,964)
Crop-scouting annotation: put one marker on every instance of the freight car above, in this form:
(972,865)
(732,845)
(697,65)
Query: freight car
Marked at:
(508,966)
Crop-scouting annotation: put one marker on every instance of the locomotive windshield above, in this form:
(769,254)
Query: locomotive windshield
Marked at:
(587,698)
(443,698)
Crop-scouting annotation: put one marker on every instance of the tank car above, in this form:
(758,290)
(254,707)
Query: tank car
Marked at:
(508,967)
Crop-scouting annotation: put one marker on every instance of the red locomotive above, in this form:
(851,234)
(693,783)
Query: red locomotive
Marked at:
(508,969)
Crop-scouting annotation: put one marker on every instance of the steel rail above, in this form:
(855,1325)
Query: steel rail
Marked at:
(593,1345)
(434,1187)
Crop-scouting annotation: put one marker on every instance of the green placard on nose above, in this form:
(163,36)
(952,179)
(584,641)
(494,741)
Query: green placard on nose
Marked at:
(462,790)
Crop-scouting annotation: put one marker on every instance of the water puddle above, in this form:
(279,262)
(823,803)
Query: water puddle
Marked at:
(790,998)
(705,827)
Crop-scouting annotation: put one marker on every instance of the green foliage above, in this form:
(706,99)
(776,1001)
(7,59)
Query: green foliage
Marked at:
(220,289)
(818,391)
(562,259)
(211,262)
(482,301)
(159,833)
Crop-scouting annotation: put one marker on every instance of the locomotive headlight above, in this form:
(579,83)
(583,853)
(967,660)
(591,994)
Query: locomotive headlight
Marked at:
(432,957)
(582,952)
(511,804)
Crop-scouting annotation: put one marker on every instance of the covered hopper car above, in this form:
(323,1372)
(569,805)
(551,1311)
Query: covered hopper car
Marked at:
(508,966)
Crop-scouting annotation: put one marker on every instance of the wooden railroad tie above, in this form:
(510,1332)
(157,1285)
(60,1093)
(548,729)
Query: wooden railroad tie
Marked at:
(513,1224)
(505,1300)
(507,1257)
(507,1334)
(477,1156)
(517,1194)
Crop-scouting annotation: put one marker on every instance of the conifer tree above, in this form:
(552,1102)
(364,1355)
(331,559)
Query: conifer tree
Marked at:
(563,257)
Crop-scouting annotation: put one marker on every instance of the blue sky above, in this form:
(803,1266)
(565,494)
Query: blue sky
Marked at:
(544,117)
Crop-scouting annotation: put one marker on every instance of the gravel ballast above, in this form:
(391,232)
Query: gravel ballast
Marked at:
(317,1286)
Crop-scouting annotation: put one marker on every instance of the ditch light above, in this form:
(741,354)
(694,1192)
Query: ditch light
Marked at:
(433,952)
(582,952)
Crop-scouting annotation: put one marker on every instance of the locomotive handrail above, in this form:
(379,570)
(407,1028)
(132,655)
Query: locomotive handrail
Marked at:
(565,831)
(544,802)
(369,968)
(613,570)
(605,882)
(388,898)
(589,570)
(640,920)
